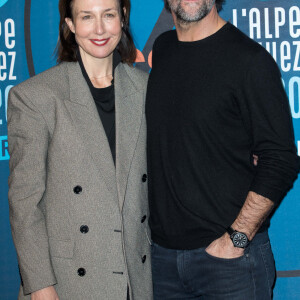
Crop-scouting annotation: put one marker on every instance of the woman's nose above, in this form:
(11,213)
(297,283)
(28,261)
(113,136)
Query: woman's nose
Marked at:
(99,27)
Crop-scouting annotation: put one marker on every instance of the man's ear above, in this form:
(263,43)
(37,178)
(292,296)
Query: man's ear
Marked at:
(70,24)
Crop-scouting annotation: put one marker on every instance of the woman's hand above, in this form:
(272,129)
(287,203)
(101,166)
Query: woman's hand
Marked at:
(47,293)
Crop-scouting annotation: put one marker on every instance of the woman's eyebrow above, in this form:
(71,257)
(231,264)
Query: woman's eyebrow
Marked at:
(88,11)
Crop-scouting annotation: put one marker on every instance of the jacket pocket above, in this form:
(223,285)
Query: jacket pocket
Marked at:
(61,248)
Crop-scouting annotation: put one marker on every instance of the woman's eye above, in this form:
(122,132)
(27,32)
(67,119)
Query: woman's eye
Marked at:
(86,17)
(109,15)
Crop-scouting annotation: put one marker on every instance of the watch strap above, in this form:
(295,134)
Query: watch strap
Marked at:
(230,230)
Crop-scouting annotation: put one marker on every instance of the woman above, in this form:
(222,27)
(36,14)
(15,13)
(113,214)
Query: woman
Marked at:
(78,183)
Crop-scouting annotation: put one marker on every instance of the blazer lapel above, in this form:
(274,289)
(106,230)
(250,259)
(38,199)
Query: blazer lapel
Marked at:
(86,119)
(129,111)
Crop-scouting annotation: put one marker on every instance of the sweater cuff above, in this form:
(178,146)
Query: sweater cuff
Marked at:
(273,194)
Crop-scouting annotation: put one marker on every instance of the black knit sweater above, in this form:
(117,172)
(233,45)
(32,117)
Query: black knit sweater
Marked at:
(211,105)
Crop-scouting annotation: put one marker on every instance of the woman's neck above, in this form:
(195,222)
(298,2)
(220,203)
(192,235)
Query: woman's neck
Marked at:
(100,71)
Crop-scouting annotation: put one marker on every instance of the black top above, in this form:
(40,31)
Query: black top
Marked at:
(211,105)
(105,103)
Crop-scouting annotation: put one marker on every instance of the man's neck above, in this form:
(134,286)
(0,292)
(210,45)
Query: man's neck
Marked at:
(195,31)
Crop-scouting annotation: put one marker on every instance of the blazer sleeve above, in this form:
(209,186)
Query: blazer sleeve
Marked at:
(28,138)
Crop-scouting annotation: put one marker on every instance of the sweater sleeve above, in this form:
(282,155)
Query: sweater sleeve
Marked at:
(271,127)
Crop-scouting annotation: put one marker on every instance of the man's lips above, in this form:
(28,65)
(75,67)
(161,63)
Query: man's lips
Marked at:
(102,42)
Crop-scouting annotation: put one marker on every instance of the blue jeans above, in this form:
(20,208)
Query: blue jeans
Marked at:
(194,274)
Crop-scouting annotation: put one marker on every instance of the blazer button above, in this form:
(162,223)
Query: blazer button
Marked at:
(144,178)
(77,189)
(143,219)
(81,272)
(84,229)
(144,258)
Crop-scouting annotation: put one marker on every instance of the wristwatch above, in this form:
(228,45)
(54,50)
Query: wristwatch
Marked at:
(239,239)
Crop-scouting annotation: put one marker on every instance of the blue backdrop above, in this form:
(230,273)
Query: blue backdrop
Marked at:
(28,36)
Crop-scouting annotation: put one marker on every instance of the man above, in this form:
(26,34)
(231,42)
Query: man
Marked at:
(215,100)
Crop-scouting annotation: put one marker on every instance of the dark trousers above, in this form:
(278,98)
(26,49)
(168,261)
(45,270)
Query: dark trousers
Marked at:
(194,274)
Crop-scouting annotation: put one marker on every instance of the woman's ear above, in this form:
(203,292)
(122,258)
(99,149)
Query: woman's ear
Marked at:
(70,24)
(124,19)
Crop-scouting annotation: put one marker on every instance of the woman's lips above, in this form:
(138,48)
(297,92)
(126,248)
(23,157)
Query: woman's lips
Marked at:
(102,42)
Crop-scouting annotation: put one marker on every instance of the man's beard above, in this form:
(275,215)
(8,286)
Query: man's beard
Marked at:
(197,15)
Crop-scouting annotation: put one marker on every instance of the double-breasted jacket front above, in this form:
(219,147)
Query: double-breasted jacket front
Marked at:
(79,222)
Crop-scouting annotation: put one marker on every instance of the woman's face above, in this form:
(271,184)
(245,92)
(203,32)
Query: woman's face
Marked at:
(97,26)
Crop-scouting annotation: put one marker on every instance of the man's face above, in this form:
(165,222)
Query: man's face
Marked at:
(191,10)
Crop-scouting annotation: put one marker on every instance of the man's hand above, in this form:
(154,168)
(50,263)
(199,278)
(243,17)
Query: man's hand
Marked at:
(47,293)
(223,248)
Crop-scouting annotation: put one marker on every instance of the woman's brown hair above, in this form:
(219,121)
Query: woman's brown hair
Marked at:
(67,46)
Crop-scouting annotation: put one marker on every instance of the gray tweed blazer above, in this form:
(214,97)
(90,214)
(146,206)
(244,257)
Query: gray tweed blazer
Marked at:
(78,222)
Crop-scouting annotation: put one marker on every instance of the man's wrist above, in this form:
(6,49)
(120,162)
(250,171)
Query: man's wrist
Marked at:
(237,226)
(227,243)
(239,239)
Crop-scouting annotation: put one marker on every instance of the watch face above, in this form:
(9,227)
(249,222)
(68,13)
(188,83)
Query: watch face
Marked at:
(240,240)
